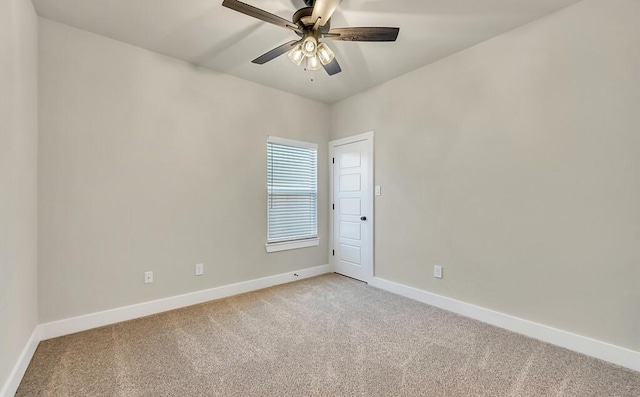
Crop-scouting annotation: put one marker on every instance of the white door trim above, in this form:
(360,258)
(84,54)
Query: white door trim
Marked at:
(367,136)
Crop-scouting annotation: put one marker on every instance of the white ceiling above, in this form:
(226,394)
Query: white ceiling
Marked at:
(209,35)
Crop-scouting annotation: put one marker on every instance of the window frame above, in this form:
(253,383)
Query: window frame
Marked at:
(276,246)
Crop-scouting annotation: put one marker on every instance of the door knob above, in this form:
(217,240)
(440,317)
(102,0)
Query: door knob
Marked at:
(363,218)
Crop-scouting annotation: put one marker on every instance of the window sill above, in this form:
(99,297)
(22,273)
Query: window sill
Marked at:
(292,245)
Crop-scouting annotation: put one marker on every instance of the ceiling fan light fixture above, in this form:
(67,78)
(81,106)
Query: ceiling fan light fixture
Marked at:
(313,63)
(296,55)
(310,24)
(310,46)
(325,54)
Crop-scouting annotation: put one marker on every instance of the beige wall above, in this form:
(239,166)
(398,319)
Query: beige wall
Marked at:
(513,164)
(18,179)
(516,165)
(149,163)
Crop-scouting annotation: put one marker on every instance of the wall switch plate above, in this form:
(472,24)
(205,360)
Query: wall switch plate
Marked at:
(148,277)
(199,269)
(378,190)
(437,271)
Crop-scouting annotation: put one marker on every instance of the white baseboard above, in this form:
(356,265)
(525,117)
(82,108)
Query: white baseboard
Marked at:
(82,323)
(581,344)
(591,347)
(11,385)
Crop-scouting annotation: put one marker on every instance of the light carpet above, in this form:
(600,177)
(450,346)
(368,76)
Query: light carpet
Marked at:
(325,336)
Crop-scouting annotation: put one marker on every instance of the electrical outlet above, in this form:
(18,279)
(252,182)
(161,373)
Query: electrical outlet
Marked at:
(148,277)
(437,271)
(199,269)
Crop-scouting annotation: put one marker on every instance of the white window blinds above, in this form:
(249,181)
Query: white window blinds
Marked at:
(292,190)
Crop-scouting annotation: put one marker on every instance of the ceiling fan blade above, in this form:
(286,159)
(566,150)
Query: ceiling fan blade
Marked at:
(323,9)
(332,67)
(363,34)
(276,52)
(260,14)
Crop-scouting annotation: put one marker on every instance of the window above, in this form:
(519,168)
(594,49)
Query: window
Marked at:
(292,194)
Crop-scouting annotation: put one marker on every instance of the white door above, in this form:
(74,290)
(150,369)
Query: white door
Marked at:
(352,207)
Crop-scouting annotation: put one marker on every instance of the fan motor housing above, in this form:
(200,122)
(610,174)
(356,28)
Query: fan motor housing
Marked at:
(302,18)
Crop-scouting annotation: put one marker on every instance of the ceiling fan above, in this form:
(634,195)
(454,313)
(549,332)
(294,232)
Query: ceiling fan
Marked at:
(312,23)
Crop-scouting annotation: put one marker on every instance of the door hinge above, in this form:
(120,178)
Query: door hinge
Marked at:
(333,160)
(333,206)
(333,252)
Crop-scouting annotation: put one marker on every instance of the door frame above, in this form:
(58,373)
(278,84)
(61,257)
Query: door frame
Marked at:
(369,193)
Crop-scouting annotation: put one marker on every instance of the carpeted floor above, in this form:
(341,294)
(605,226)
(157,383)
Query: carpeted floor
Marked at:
(325,336)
